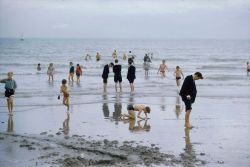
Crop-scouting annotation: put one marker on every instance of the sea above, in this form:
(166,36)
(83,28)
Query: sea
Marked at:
(221,111)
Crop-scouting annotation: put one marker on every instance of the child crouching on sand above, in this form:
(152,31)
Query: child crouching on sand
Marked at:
(133,108)
(64,90)
(10,87)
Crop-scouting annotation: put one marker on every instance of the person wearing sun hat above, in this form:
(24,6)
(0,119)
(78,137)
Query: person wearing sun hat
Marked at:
(188,94)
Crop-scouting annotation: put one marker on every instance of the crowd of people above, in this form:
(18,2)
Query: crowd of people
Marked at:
(187,92)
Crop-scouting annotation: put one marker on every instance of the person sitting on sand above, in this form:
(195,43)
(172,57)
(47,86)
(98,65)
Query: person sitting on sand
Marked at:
(64,90)
(10,87)
(50,72)
(163,68)
(133,108)
(178,73)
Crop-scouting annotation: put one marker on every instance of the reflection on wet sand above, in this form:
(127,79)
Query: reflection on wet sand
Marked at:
(189,157)
(66,124)
(178,106)
(10,127)
(117,109)
(131,99)
(137,128)
(163,107)
(105,107)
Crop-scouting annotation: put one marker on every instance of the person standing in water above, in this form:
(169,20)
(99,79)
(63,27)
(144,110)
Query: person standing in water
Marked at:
(178,74)
(163,68)
(114,54)
(98,56)
(38,67)
(64,90)
(10,87)
(188,94)
(248,68)
(78,73)
(71,71)
(131,76)
(117,75)
(105,75)
(50,72)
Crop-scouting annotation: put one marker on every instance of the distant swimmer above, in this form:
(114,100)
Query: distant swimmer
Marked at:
(117,69)
(64,90)
(163,68)
(178,74)
(248,68)
(78,73)
(71,72)
(124,56)
(188,94)
(87,57)
(51,72)
(38,67)
(105,75)
(134,108)
(10,88)
(131,76)
(114,54)
(131,56)
(146,66)
(98,56)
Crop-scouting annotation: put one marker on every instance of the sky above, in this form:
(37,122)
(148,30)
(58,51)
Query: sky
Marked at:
(125,18)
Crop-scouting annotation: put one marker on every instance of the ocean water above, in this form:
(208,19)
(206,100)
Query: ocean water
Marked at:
(221,111)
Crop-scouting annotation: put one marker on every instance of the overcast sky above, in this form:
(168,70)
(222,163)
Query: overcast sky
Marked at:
(125,18)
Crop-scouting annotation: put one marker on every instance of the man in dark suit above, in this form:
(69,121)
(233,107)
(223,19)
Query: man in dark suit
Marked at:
(105,75)
(188,94)
(117,68)
(131,76)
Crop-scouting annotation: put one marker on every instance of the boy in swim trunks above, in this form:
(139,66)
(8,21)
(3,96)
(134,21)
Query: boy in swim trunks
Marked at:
(64,90)
(178,73)
(133,108)
(163,67)
(10,87)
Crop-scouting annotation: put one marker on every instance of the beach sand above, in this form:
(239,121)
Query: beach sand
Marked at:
(93,135)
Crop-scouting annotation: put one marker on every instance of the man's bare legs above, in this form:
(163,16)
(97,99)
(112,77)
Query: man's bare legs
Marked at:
(187,123)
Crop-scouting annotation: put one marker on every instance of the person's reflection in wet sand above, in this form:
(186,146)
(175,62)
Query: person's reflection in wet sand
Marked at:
(105,107)
(10,127)
(178,106)
(138,128)
(163,107)
(131,99)
(189,155)
(66,124)
(117,109)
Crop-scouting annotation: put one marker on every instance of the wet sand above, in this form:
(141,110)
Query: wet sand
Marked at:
(93,135)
